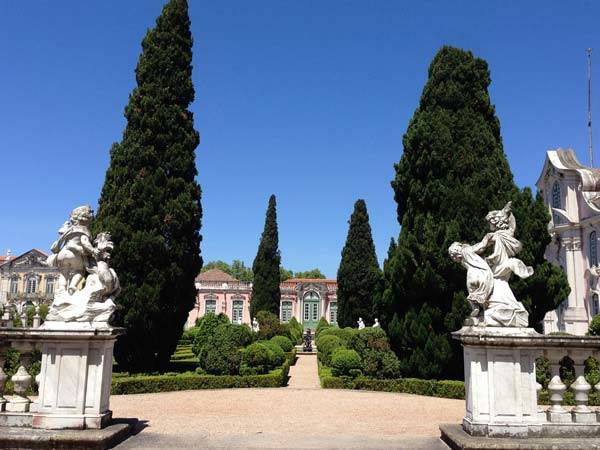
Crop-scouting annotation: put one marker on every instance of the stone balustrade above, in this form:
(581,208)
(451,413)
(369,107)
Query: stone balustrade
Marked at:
(502,391)
(17,338)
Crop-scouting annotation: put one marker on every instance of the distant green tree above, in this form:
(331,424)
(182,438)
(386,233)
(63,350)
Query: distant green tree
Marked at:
(265,290)
(237,269)
(150,200)
(314,273)
(285,274)
(359,275)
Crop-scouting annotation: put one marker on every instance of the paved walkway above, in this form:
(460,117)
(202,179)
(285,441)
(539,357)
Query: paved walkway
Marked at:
(304,374)
(299,416)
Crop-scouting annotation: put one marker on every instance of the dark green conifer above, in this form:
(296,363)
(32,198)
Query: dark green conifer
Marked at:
(265,290)
(150,200)
(359,276)
(452,172)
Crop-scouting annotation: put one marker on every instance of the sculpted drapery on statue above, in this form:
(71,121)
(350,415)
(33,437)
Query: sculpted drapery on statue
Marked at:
(87,286)
(493,302)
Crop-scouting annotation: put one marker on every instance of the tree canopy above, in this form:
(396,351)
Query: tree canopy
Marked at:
(150,201)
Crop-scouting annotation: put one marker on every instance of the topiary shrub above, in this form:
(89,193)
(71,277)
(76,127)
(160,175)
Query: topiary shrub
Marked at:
(323,324)
(294,330)
(594,329)
(327,345)
(256,359)
(381,364)
(345,362)
(343,333)
(369,338)
(205,328)
(284,342)
(220,355)
(592,371)
(269,325)
(278,356)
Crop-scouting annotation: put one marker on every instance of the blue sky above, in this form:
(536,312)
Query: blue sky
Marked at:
(304,99)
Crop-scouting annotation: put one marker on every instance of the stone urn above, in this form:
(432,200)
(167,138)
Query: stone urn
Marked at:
(21,380)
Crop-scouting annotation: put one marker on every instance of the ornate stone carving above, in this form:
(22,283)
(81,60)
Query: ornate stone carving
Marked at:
(87,286)
(490,295)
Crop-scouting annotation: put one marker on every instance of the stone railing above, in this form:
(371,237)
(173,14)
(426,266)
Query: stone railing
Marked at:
(225,286)
(501,388)
(22,340)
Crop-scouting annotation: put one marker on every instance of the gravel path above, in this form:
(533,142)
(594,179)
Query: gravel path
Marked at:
(299,416)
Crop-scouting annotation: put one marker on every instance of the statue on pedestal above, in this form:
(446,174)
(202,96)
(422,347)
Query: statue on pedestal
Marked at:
(360,323)
(493,302)
(376,324)
(255,326)
(87,285)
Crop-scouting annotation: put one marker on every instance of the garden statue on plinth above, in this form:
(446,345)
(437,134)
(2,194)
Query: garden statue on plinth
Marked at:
(87,286)
(500,350)
(493,302)
(76,339)
(307,341)
(255,325)
(361,323)
(376,324)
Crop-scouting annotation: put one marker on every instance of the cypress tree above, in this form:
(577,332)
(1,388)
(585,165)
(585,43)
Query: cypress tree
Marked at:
(358,276)
(150,201)
(265,289)
(452,172)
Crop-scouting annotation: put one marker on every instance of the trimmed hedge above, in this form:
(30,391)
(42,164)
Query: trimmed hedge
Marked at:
(430,388)
(144,384)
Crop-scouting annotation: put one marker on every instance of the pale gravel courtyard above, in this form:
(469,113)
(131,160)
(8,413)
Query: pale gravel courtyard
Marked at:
(301,415)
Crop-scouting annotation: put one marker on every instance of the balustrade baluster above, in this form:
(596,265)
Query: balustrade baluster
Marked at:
(581,390)
(556,388)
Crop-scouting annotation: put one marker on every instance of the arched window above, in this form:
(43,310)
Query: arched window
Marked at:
(237,311)
(49,285)
(333,312)
(286,311)
(210,304)
(32,284)
(593,249)
(14,285)
(556,202)
(311,307)
(595,305)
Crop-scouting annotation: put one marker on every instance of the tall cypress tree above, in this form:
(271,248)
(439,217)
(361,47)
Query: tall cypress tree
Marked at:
(265,288)
(150,201)
(358,276)
(452,172)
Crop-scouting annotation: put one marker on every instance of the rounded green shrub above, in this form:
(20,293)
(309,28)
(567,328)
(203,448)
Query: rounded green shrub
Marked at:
(345,362)
(369,338)
(323,324)
(205,328)
(327,345)
(381,364)
(221,355)
(343,333)
(256,359)
(278,356)
(269,325)
(284,342)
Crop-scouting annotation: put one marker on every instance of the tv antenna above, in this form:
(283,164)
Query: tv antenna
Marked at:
(591,153)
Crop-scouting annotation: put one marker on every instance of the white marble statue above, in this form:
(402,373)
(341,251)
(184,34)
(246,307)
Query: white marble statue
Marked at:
(255,326)
(493,302)
(361,324)
(87,286)
(376,324)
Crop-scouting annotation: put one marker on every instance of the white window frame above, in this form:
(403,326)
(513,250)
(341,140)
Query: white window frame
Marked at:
(31,286)
(237,310)
(286,311)
(213,301)
(333,310)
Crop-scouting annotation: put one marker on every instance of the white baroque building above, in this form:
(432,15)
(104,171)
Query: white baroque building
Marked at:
(572,193)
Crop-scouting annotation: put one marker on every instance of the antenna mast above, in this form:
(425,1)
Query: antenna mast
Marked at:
(591,153)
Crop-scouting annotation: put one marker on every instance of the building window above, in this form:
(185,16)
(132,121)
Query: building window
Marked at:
(593,249)
(32,284)
(333,312)
(50,286)
(306,312)
(14,285)
(238,311)
(286,311)
(210,304)
(556,202)
(595,305)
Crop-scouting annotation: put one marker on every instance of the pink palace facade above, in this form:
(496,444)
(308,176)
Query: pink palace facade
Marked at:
(306,299)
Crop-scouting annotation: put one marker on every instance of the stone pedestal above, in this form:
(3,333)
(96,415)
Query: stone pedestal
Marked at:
(75,379)
(500,384)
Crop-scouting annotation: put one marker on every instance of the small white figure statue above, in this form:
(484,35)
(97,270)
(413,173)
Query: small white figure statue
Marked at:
(255,326)
(376,324)
(87,286)
(361,324)
(493,302)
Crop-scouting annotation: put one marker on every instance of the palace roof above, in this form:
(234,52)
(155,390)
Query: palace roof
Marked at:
(214,275)
(310,280)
